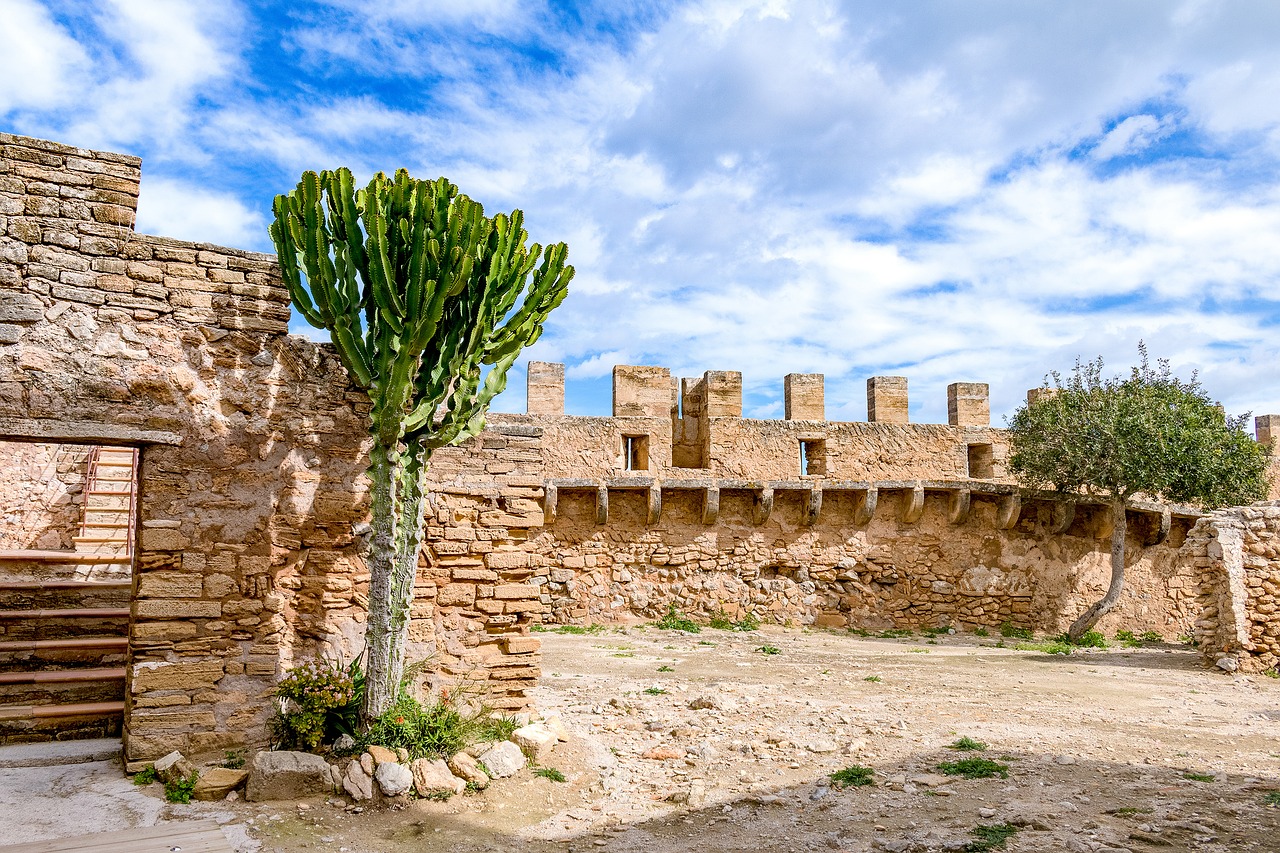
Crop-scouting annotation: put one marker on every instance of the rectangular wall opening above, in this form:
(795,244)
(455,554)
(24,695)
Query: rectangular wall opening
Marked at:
(981,462)
(813,457)
(635,452)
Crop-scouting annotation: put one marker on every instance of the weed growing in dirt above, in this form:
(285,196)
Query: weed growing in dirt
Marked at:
(706,643)
(145,776)
(769,650)
(990,837)
(665,668)
(549,773)
(654,691)
(968,744)
(895,634)
(1048,647)
(437,796)
(674,620)
(435,730)
(981,632)
(234,759)
(940,631)
(624,654)
(875,679)
(919,651)
(593,628)
(1271,673)
(1127,639)
(860,632)
(722,622)
(1271,798)
(1008,631)
(853,776)
(1198,777)
(180,790)
(1088,640)
(975,768)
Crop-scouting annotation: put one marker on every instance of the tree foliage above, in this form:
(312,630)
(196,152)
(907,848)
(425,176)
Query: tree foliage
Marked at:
(1147,434)
(420,293)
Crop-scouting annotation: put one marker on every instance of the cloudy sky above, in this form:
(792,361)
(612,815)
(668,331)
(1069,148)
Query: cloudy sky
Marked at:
(955,190)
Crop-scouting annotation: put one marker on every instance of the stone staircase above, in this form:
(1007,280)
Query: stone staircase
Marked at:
(64,618)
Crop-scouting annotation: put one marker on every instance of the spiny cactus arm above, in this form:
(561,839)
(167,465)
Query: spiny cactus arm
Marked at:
(287,252)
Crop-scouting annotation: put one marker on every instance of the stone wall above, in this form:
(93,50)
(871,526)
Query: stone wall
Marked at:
(253,510)
(41,494)
(1237,552)
(253,446)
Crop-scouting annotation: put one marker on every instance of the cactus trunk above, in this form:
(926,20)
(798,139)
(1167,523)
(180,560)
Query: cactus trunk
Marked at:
(398,501)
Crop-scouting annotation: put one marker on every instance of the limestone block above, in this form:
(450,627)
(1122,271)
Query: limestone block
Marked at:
(433,777)
(456,594)
(382,755)
(287,776)
(216,783)
(170,585)
(358,782)
(514,591)
(162,675)
(503,760)
(519,644)
(178,608)
(172,767)
(535,740)
(466,767)
(394,779)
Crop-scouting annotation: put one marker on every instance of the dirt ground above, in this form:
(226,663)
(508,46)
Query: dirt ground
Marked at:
(1101,749)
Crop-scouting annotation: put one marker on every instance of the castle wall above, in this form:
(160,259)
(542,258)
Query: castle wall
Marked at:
(41,494)
(253,505)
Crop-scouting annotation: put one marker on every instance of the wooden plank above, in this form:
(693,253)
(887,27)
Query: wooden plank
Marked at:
(197,836)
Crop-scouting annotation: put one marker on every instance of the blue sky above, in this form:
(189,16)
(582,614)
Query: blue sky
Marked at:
(951,191)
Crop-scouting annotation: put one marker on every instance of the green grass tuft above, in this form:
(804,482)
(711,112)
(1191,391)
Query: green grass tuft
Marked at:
(875,679)
(769,650)
(895,634)
(1048,647)
(549,773)
(1198,777)
(974,768)
(854,776)
(1008,631)
(145,776)
(654,691)
(674,620)
(1271,798)
(968,744)
(990,837)
(981,632)
(180,790)
(665,668)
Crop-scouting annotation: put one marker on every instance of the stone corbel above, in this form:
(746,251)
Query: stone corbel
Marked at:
(961,500)
(813,506)
(602,504)
(865,508)
(1160,530)
(1061,516)
(763,506)
(913,506)
(655,504)
(710,505)
(1008,512)
(550,500)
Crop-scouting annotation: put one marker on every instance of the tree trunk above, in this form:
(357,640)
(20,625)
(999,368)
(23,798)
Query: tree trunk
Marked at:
(1091,616)
(396,502)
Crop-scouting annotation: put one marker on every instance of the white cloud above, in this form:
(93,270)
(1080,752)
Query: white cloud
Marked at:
(1130,136)
(170,208)
(39,60)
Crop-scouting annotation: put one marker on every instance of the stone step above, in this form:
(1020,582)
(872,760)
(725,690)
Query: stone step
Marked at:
(63,721)
(63,557)
(49,594)
(69,653)
(62,623)
(61,687)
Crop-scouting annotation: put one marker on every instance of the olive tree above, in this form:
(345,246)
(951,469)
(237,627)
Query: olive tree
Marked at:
(1149,434)
(420,293)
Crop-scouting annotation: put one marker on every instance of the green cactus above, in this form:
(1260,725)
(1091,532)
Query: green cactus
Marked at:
(420,291)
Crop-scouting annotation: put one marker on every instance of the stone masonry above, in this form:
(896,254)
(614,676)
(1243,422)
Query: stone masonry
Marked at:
(252,507)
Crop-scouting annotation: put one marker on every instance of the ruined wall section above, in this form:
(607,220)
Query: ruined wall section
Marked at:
(41,494)
(1237,554)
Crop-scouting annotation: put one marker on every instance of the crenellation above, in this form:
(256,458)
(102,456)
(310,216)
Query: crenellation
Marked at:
(803,397)
(968,404)
(887,400)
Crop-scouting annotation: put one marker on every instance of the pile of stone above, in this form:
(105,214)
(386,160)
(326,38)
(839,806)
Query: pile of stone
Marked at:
(380,772)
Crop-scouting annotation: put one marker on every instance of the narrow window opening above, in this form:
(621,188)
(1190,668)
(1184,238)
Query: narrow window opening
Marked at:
(635,452)
(813,458)
(981,462)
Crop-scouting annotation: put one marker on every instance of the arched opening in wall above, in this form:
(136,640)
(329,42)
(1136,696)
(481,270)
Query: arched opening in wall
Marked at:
(67,528)
(981,461)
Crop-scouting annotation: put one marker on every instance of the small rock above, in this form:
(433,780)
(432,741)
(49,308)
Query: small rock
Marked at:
(535,740)
(402,755)
(217,783)
(358,783)
(432,778)
(394,779)
(1227,664)
(986,812)
(821,746)
(663,753)
(344,743)
(367,764)
(556,725)
(172,767)
(468,769)
(503,760)
(929,780)
(1065,759)
(287,776)
(382,755)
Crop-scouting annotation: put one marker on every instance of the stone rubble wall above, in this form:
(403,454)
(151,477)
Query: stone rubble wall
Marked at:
(41,495)
(253,447)
(253,505)
(1237,552)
